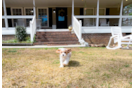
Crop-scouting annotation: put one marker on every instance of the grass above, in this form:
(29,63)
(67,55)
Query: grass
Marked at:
(88,68)
(16,41)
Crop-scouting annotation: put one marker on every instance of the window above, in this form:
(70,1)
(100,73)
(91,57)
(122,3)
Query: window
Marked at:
(16,11)
(89,21)
(126,21)
(43,16)
(88,11)
(102,11)
(127,9)
(28,11)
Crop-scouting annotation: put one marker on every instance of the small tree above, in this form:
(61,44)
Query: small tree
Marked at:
(21,33)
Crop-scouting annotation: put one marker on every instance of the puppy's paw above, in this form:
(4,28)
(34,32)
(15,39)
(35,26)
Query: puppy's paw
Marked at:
(61,66)
(65,64)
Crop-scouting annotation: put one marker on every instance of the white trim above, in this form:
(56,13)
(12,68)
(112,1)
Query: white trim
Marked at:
(105,16)
(110,16)
(11,31)
(51,30)
(18,16)
(47,14)
(86,16)
(126,16)
(125,29)
(104,29)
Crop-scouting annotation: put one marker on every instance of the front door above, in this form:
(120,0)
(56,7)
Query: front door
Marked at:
(61,18)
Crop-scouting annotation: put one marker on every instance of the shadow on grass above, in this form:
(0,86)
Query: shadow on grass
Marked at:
(73,63)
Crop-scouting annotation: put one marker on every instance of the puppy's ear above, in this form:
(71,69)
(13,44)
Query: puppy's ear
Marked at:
(69,50)
(58,51)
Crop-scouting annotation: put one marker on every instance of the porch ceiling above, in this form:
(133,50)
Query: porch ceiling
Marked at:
(65,3)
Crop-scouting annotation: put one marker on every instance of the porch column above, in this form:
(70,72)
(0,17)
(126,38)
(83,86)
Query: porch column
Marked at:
(5,14)
(121,8)
(34,13)
(34,9)
(97,19)
(72,12)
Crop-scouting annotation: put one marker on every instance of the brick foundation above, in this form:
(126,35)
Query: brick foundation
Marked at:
(94,39)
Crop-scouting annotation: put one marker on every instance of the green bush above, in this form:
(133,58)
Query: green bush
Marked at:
(21,33)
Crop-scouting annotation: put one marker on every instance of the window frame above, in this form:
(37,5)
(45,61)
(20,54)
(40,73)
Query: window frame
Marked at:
(15,15)
(99,11)
(25,14)
(47,14)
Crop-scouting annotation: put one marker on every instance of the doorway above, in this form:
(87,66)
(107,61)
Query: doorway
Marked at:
(61,18)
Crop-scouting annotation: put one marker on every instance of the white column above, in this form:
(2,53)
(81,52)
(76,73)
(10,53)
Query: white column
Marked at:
(97,19)
(121,8)
(5,14)
(34,8)
(72,12)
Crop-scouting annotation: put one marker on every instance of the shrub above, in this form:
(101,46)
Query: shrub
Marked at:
(21,33)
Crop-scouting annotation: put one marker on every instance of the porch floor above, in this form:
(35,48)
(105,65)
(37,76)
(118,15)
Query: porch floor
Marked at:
(51,30)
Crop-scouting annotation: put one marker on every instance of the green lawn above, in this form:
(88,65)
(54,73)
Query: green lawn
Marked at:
(88,68)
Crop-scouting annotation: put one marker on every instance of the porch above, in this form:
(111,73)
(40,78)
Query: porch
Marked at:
(96,16)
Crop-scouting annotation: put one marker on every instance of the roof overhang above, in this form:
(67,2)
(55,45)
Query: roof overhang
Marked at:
(66,3)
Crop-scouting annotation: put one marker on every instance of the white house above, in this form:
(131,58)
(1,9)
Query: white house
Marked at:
(91,19)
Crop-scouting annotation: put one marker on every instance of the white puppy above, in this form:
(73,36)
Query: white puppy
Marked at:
(65,55)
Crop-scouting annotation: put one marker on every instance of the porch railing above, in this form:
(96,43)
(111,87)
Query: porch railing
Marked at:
(77,28)
(33,28)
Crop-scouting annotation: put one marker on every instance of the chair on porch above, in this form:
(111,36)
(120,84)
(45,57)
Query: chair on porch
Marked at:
(38,23)
(20,22)
(117,37)
(103,22)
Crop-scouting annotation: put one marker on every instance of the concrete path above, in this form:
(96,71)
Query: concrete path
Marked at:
(44,46)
